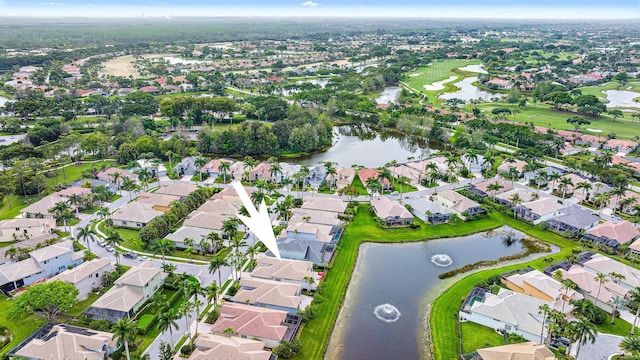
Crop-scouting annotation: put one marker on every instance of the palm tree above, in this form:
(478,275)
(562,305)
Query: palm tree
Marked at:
(212,291)
(602,199)
(167,321)
(601,278)
(251,252)
(169,154)
(618,192)
(162,246)
(553,177)
(75,199)
(565,182)
(630,345)
(216,264)
(544,310)
(586,331)
(216,241)
(113,237)
(204,246)
(199,162)
(616,303)
(585,186)
(516,200)
(87,234)
(250,163)
(185,310)
(103,212)
(125,331)
(494,188)
(224,167)
(634,296)
(236,244)
(116,177)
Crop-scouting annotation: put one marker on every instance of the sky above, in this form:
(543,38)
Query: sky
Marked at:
(517,9)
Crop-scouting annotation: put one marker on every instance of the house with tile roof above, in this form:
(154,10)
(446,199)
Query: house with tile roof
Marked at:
(606,265)
(66,342)
(621,146)
(270,294)
(342,178)
(541,286)
(135,215)
(107,174)
(22,229)
(508,311)
(612,234)
(86,276)
(392,212)
(427,210)
(481,189)
(530,350)
(181,190)
(258,323)
(572,220)
(591,289)
(42,263)
(458,204)
(539,210)
(225,347)
(330,204)
(366,174)
(313,251)
(285,270)
(128,294)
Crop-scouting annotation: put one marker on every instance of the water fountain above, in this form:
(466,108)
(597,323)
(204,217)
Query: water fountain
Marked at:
(442,260)
(387,313)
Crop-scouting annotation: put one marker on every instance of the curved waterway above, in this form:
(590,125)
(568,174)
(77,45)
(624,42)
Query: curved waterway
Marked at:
(382,315)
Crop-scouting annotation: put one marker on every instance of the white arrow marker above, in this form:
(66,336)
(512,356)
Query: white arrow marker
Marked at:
(257,221)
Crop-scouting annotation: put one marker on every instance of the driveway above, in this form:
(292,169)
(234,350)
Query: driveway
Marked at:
(605,346)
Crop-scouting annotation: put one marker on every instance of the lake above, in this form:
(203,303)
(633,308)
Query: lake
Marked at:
(468,91)
(365,145)
(390,94)
(618,98)
(382,317)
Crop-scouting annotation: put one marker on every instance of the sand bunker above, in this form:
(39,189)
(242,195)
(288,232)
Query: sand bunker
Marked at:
(594,130)
(414,75)
(474,68)
(439,85)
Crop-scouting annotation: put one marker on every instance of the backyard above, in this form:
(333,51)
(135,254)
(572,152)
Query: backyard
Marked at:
(20,329)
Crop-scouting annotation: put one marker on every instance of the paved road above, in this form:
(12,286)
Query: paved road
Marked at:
(605,346)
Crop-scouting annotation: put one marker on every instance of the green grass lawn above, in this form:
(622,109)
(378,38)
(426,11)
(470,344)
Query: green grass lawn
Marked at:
(476,336)
(438,71)
(81,306)
(543,115)
(17,203)
(598,90)
(20,329)
(74,172)
(357,183)
(363,228)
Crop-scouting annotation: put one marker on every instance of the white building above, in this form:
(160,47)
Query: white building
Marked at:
(86,276)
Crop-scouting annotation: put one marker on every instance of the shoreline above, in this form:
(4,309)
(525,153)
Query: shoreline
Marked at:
(336,344)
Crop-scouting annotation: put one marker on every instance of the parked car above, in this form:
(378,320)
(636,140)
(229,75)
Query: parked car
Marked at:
(101,243)
(109,248)
(144,258)
(130,255)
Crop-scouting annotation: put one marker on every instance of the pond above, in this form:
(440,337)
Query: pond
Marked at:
(365,145)
(618,98)
(382,317)
(390,94)
(468,91)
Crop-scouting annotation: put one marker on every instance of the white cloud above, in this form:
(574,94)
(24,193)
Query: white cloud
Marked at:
(310,3)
